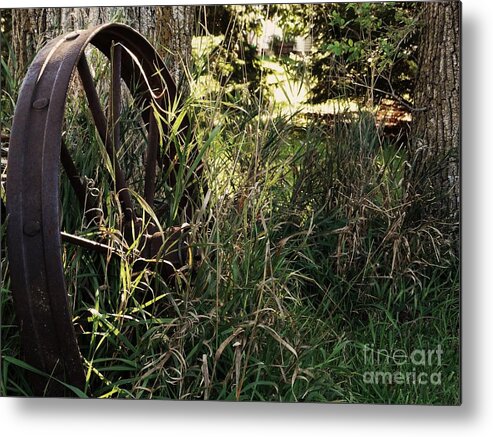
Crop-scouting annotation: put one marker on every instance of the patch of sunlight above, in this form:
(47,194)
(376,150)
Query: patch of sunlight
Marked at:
(288,94)
(203,45)
(291,95)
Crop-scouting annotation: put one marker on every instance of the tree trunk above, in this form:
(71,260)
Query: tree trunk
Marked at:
(28,30)
(32,28)
(169,28)
(436,122)
(175,27)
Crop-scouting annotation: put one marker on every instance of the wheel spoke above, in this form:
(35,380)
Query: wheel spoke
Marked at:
(152,153)
(116,102)
(93,100)
(101,126)
(87,244)
(79,186)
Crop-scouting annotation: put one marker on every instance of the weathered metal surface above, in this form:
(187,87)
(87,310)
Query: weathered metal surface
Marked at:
(34,239)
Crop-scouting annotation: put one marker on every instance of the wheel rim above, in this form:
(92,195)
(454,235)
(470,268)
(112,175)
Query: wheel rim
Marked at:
(36,148)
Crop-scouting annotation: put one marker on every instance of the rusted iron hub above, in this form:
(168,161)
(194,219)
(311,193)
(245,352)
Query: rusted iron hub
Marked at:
(36,149)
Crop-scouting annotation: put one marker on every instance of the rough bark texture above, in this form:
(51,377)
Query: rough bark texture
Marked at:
(169,28)
(175,26)
(28,27)
(31,28)
(436,124)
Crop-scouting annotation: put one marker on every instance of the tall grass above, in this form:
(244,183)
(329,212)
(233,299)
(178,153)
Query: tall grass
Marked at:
(310,250)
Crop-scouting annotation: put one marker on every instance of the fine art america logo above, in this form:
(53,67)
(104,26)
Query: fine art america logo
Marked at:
(413,367)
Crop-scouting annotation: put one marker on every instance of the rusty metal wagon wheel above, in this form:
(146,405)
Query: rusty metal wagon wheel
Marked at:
(39,143)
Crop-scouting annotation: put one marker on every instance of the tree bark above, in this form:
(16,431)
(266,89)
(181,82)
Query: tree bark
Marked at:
(175,27)
(28,29)
(169,28)
(436,122)
(32,28)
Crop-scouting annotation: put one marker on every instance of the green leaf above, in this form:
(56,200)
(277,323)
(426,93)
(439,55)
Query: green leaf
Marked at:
(24,365)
